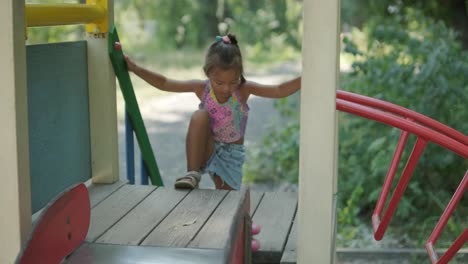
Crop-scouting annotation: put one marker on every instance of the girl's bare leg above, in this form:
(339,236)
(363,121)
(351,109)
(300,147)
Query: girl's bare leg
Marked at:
(199,141)
(220,184)
(200,145)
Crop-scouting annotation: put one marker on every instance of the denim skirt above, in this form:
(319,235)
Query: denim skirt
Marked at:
(226,162)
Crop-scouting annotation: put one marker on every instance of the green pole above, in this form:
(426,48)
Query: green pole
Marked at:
(120,69)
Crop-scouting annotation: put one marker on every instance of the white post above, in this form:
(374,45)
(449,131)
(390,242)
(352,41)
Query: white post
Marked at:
(102,103)
(15,194)
(318,145)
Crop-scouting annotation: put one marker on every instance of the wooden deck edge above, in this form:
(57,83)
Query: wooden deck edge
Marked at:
(267,257)
(122,254)
(289,257)
(239,243)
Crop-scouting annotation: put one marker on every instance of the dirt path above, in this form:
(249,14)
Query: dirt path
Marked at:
(166,120)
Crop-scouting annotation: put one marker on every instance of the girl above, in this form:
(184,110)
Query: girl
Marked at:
(215,136)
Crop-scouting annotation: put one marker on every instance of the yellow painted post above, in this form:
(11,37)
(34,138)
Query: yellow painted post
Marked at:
(15,196)
(318,151)
(103,25)
(102,101)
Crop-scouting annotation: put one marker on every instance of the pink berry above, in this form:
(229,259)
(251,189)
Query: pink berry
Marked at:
(255,229)
(255,245)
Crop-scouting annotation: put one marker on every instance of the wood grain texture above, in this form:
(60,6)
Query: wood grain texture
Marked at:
(99,192)
(275,216)
(212,233)
(290,254)
(114,207)
(255,198)
(139,222)
(185,221)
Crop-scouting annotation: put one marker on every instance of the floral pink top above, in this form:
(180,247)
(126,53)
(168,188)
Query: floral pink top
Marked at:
(228,120)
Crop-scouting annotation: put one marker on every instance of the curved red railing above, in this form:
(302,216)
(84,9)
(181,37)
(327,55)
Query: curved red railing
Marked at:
(462,239)
(398,110)
(426,130)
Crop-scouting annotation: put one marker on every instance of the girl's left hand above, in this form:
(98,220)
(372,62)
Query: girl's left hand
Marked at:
(131,66)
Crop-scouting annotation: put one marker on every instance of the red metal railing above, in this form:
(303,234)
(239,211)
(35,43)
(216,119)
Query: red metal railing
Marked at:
(462,239)
(401,111)
(426,130)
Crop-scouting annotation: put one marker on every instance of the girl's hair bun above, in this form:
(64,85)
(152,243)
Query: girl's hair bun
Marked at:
(233,38)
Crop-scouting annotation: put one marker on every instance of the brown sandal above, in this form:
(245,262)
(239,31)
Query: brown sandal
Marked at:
(189,181)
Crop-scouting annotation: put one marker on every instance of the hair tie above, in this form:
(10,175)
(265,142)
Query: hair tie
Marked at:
(224,39)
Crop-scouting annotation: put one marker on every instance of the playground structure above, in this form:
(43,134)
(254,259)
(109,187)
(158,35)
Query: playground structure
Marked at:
(316,205)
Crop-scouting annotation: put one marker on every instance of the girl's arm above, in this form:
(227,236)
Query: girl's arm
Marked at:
(274,91)
(162,82)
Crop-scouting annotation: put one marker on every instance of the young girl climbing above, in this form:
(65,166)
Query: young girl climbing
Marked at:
(215,137)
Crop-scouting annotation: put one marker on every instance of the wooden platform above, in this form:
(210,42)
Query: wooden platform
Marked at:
(138,215)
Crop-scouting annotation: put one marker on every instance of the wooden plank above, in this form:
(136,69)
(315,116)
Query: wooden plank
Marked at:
(99,192)
(290,254)
(255,198)
(238,248)
(181,226)
(214,233)
(139,222)
(275,216)
(114,207)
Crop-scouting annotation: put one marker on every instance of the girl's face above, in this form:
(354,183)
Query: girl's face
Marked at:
(224,82)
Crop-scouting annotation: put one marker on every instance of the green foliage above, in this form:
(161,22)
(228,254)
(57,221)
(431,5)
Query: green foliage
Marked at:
(357,12)
(195,23)
(278,159)
(267,23)
(38,35)
(265,26)
(415,62)
(453,13)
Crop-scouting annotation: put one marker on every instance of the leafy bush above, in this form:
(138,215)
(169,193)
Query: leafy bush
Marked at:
(277,159)
(414,62)
(417,63)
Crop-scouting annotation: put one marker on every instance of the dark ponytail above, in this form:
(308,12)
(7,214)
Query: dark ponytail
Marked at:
(224,53)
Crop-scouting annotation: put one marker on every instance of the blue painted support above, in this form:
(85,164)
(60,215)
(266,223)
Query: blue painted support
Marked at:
(130,154)
(129,149)
(144,173)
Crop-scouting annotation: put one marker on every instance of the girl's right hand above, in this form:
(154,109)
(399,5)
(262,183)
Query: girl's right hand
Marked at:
(131,66)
